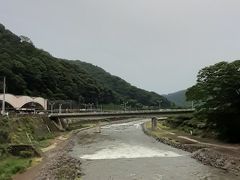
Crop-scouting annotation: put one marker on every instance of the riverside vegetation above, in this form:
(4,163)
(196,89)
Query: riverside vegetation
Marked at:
(217,99)
(21,139)
(25,140)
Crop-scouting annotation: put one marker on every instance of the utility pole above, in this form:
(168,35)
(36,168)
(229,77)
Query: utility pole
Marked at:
(192,105)
(4,92)
(79,102)
(125,106)
(60,108)
(91,106)
(159,104)
(52,104)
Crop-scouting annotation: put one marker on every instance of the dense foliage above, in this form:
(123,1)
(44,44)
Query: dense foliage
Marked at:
(34,72)
(217,94)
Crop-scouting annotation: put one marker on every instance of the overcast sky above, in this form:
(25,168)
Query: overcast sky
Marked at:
(157,45)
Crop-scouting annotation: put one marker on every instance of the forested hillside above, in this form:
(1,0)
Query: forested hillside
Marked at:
(122,88)
(178,98)
(34,72)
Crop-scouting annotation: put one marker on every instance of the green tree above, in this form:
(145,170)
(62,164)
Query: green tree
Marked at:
(217,98)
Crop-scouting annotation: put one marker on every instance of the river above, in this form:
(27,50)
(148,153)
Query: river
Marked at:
(124,152)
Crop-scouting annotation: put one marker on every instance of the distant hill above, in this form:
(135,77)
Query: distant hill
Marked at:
(179,98)
(121,88)
(32,71)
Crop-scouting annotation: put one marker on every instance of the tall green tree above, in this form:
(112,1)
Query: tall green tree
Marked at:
(217,98)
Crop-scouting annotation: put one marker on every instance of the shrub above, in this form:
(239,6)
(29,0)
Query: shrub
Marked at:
(2,152)
(17,168)
(4,136)
(26,154)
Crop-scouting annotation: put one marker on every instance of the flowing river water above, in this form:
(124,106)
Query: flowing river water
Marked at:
(124,152)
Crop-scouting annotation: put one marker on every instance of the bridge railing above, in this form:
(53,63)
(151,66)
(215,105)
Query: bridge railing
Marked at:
(122,112)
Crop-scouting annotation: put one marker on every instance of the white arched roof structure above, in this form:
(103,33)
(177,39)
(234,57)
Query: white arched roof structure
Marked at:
(19,101)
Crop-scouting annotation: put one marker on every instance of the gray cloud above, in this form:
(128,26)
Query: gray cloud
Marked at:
(157,45)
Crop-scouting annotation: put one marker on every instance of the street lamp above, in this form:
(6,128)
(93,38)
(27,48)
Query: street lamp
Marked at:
(125,106)
(159,104)
(51,104)
(4,92)
(91,106)
(60,108)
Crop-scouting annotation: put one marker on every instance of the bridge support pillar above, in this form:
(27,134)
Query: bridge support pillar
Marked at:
(154,123)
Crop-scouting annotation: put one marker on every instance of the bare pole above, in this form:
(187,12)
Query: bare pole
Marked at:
(4,92)
(125,106)
(159,104)
(60,108)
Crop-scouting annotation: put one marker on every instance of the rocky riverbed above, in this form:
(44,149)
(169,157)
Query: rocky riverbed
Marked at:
(208,155)
(123,151)
(59,164)
(213,157)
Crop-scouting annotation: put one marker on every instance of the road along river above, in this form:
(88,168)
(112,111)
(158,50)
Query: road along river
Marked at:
(124,152)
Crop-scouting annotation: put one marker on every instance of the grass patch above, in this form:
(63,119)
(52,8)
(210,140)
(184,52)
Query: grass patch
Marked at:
(12,165)
(168,133)
(22,130)
(44,143)
(81,125)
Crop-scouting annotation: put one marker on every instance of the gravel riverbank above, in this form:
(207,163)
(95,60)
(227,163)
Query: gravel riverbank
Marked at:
(212,156)
(63,166)
(60,165)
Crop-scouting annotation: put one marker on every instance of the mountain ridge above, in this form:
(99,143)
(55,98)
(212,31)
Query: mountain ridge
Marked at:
(178,98)
(35,72)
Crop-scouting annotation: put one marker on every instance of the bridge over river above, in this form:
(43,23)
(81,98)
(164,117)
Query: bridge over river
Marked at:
(67,120)
(148,113)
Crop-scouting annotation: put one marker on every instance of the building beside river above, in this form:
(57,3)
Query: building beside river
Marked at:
(21,102)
